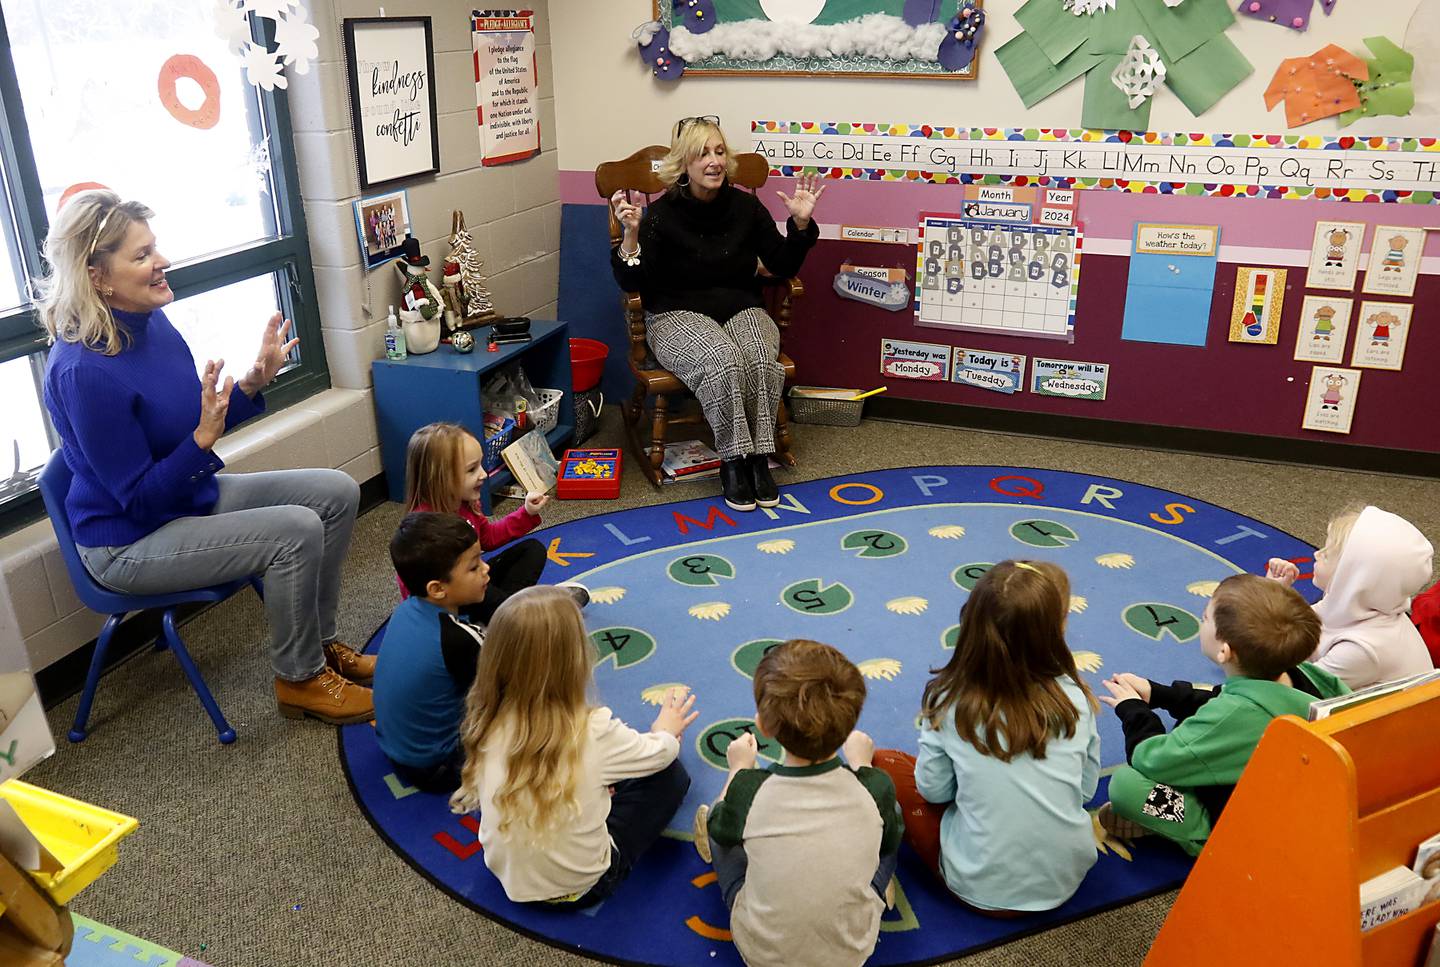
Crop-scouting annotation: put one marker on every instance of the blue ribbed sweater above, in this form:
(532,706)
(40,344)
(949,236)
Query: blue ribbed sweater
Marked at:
(126,423)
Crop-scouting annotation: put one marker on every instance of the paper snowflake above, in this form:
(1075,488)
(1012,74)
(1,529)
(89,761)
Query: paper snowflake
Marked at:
(231,26)
(273,9)
(262,68)
(1140,73)
(295,40)
(1090,7)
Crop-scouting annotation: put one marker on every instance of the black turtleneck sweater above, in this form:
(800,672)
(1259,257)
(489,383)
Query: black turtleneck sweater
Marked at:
(700,256)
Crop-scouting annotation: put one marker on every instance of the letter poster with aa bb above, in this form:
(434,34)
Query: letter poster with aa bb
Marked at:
(390,72)
(505,85)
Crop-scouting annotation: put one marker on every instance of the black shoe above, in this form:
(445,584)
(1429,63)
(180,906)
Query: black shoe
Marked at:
(766,493)
(735,481)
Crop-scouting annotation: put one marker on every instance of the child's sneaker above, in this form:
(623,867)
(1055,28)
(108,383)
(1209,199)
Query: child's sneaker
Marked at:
(702,832)
(578,591)
(1117,825)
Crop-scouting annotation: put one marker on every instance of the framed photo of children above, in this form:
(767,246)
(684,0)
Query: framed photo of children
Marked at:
(1324,324)
(1330,399)
(381,224)
(390,74)
(1380,335)
(1394,260)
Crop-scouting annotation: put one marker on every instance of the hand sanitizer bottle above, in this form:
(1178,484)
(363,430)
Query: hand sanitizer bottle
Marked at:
(394,337)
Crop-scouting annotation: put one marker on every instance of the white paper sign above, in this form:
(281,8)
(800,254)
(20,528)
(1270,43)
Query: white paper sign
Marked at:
(392,96)
(505,88)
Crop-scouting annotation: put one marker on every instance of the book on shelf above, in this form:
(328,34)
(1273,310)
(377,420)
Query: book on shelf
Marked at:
(1326,707)
(1392,894)
(530,460)
(1427,867)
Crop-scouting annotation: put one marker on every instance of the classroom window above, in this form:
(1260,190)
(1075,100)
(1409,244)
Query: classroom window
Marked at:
(93,94)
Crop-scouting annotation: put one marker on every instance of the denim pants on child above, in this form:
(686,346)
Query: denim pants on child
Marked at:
(291,527)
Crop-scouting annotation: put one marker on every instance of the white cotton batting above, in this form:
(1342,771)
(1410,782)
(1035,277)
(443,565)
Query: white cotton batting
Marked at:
(875,36)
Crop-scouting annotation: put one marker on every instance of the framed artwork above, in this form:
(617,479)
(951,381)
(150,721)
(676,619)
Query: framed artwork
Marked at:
(1324,324)
(1259,296)
(390,77)
(1335,255)
(1394,260)
(1330,399)
(1380,335)
(381,224)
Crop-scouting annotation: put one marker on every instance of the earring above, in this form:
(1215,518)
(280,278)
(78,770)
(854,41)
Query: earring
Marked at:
(108,291)
(684,180)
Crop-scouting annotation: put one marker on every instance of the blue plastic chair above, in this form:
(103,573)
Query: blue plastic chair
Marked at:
(54,487)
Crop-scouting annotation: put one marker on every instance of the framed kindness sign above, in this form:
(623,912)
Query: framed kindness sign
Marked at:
(390,71)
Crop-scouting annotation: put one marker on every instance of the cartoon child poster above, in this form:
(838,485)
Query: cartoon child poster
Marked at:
(1394,260)
(1330,399)
(1324,325)
(1335,255)
(1380,335)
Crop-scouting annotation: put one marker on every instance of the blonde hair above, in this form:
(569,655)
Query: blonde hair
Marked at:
(1000,685)
(1337,532)
(531,682)
(434,466)
(87,232)
(688,144)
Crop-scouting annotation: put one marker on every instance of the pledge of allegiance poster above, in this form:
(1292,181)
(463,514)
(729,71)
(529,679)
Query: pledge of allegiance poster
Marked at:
(505,88)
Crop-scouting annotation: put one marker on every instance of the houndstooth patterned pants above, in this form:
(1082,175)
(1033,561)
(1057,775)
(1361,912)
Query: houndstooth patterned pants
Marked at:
(732,368)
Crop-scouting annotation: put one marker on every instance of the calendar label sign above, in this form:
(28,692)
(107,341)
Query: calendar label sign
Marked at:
(929,362)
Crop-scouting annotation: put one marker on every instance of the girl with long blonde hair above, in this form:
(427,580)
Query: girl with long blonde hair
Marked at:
(1009,752)
(569,796)
(444,473)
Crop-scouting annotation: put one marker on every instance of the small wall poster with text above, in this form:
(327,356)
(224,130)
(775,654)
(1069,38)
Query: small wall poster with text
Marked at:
(1259,296)
(1394,260)
(390,76)
(999,372)
(1172,282)
(1380,335)
(1324,324)
(926,361)
(1067,378)
(1330,403)
(505,84)
(1335,255)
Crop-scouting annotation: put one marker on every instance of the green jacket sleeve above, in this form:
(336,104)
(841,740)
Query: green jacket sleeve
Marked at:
(727,817)
(1206,749)
(882,790)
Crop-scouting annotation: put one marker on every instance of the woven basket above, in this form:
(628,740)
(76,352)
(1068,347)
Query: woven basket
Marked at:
(547,414)
(810,409)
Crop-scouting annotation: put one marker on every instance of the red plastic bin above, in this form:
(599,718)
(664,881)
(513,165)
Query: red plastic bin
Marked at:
(587,363)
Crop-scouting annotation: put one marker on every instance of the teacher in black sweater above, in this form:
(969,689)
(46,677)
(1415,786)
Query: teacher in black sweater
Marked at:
(692,256)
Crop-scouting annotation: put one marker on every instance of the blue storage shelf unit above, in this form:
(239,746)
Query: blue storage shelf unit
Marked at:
(446,385)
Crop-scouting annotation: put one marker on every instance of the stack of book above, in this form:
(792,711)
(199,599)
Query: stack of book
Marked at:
(1396,892)
(1326,707)
(688,460)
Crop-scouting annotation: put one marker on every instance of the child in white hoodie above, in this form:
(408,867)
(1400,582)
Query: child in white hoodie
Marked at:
(1372,564)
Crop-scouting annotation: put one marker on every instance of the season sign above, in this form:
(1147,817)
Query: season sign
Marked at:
(925,361)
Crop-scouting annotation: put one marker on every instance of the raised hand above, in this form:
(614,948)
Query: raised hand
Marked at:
(1279,569)
(676,713)
(627,213)
(213,404)
(274,349)
(801,205)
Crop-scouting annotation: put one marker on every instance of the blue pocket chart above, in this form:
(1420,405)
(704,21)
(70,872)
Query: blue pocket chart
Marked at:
(1172,280)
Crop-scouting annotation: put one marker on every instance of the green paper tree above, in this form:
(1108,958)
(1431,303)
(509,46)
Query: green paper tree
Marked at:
(1056,46)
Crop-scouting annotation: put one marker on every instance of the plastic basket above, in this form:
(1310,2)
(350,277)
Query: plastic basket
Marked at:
(82,837)
(547,414)
(490,456)
(813,409)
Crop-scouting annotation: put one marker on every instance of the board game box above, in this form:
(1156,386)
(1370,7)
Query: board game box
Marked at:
(589,475)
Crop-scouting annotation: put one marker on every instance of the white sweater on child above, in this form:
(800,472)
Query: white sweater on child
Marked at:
(578,852)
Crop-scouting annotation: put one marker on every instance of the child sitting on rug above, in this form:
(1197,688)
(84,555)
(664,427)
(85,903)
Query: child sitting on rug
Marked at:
(1009,754)
(427,661)
(805,850)
(1372,564)
(444,473)
(569,796)
(1259,632)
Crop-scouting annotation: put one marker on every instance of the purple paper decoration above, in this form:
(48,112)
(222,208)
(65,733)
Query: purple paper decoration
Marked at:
(659,43)
(663,62)
(1294,14)
(962,37)
(698,15)
(918,13)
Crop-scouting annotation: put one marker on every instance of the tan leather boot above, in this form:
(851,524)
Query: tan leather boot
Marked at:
(349,663)
(326,697)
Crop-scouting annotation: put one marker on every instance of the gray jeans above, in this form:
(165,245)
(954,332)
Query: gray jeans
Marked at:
(292,527)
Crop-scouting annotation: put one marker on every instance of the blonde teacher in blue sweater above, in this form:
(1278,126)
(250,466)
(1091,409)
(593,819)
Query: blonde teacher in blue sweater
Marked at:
(138,426)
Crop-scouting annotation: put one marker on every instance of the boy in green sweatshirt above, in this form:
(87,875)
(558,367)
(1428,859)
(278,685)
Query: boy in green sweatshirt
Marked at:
(1259,632)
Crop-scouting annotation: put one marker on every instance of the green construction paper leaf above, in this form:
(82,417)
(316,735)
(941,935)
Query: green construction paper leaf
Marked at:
(1106,106)
(1390,89)
(1034,77)
(1207,73)
(1058,31)
(1390,58)
(1112,31)
(1176,31)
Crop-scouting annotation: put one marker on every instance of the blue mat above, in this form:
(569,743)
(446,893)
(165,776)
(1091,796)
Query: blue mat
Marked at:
(877,564)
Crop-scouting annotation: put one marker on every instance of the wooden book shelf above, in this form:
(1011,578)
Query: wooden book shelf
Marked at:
(1322,807)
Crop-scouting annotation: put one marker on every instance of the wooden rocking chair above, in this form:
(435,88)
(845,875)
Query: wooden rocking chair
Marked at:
(637,173)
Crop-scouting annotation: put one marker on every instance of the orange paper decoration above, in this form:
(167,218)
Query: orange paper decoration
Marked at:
(1318,86)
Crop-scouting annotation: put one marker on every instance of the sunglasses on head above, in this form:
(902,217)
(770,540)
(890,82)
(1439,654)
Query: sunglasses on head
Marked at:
(686,122)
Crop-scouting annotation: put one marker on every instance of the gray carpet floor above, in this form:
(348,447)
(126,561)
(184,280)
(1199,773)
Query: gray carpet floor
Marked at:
(256,855)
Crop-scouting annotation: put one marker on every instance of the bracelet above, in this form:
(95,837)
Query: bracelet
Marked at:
(631,259)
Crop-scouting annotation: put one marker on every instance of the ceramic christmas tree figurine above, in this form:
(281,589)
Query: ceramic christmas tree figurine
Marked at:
(476,297)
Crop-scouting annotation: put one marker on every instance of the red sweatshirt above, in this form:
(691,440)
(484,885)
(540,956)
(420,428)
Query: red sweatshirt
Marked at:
(493,533)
